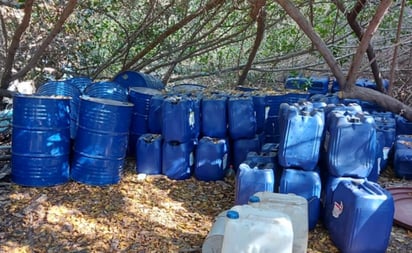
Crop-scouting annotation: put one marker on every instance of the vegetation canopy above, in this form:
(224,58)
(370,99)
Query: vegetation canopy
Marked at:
(218,43)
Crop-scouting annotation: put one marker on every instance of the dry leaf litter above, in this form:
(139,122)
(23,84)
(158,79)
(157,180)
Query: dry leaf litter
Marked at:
(139,214)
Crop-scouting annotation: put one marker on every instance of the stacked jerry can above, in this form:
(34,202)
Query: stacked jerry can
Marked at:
(301,127)
(355,208)
(211,156)
(179,132)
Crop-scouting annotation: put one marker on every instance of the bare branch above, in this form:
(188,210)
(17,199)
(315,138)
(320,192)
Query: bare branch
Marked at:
(357,29)
(15,43)
(56,29)
(210,5)
(320,45)
(260,17)
(364,44)
(395,50)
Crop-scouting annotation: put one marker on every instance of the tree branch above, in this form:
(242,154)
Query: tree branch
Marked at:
(15,43)
(260,17)
(320,45)
(210,5)
(357,29)
(364,44)
(395,50)
(56,29)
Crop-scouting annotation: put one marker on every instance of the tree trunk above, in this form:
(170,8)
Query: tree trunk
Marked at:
(15,43)
(319,44)
(258,13)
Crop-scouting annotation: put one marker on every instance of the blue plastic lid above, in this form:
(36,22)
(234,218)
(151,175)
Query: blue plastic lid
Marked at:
(254,199)
(232,214)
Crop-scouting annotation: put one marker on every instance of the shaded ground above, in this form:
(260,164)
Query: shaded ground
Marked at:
(150,215)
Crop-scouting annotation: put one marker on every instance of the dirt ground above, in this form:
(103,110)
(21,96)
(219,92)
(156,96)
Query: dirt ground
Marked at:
(152,214)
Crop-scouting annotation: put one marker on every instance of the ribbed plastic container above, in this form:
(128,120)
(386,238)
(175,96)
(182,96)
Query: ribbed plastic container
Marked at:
(155,120)
(403,126)
(250,229)
(178,160)
(60,88)
(251,179)
(130,78)
(296,207)
(211,159)
(40,140)
(149,154)
(81,82)
(242,147)
(241,118)
(347,157)
(300,137)
(214,116)
(106,90)
(361,214)
(318,85)
(101,141)
(306,184)
(402,162)
(179,119)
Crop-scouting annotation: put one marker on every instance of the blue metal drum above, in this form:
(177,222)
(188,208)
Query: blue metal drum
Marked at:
(155,119)
(80,82)
(141,97)
(106,90)
(40,140)
(101,141)
(130,78)
(64,88)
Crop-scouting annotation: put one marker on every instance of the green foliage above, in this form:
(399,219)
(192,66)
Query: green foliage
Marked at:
(102,35)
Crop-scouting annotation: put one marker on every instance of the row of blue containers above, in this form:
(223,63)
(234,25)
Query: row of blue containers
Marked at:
(43,153)
(324,84)
(74,129)
(349,146)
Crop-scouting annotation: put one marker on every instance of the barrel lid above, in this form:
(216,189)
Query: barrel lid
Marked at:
(105,101)
(232,214)
(145,90)
(403,205)
(37,96)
